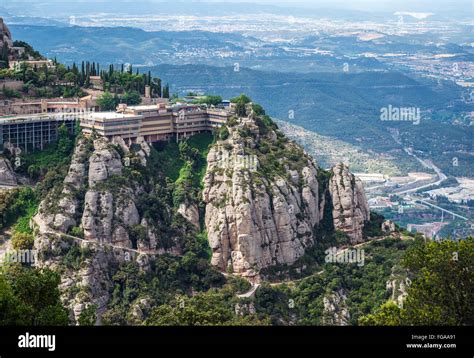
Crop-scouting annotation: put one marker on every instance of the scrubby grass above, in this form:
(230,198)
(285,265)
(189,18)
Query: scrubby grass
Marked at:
(202,142)
(184,167)
(23,223)
(166,159)
(17,207)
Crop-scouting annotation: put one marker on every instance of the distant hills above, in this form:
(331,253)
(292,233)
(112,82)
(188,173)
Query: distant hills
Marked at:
(326,100)
(345,106)
(136,46)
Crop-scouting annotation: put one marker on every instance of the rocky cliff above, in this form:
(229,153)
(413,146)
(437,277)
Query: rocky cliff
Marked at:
(94,215)
(7,175)
(350,209)
(336,312)
(264,202)
(5,35)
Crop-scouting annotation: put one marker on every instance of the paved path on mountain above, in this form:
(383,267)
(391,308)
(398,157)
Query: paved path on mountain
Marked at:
(250,292)
(323,271)
(101,244)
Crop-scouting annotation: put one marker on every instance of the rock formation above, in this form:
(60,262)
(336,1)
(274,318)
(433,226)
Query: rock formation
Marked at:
(254,221)
(388,227)
(7,175)
(264,206)
(191,213)
(5,35)
(350,209)
(95,199)
(335,311)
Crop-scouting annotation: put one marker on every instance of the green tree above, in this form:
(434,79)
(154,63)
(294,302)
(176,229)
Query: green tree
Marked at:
(106,102)
(241,109)
(131,98)
(241,99)
(70,77)
(442,290)
(258,110)
(166,91)
(241,104)
(22,241)
(224,133)
(65,143)
(204,309)
(389,314)
(212,100)
(29,296)
(88,316)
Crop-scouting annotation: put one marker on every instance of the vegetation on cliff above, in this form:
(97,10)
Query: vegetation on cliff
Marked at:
(30,297)
(441,290)
(180,287)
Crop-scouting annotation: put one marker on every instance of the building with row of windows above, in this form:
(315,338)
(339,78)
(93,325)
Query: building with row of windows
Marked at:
(32,131)
(42,106)
(158,122)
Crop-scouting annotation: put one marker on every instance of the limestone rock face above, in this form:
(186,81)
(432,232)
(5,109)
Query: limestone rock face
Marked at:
(388,227)
(95,198)
(5,35)
(145,151)
(7,175)
(91,280)
(77,169)
(98,205)
(335,311)
(104,162)
(253,222)
(261,209)
(397,287)
(350,209)
(191,213)
(65,215)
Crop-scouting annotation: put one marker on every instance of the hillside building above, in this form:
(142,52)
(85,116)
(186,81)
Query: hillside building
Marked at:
(43,106)
(32,131)
(158,122)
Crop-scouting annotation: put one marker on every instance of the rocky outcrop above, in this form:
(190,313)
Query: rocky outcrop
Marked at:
(388,227)
(104,162)
(98,215)
(254,221)
(80,287)
(77,169)
(336,312)
(7,174)
(264,206)
(5,35)
(258,216)
(97,200)
(350,209)
(191,213)
(63,216)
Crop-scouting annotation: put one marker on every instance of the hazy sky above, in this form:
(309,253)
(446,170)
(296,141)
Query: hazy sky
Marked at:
(365,5)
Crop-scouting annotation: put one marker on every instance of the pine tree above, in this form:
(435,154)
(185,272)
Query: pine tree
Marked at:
(87,75)
(83,74)
(4,58)
(166,91)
